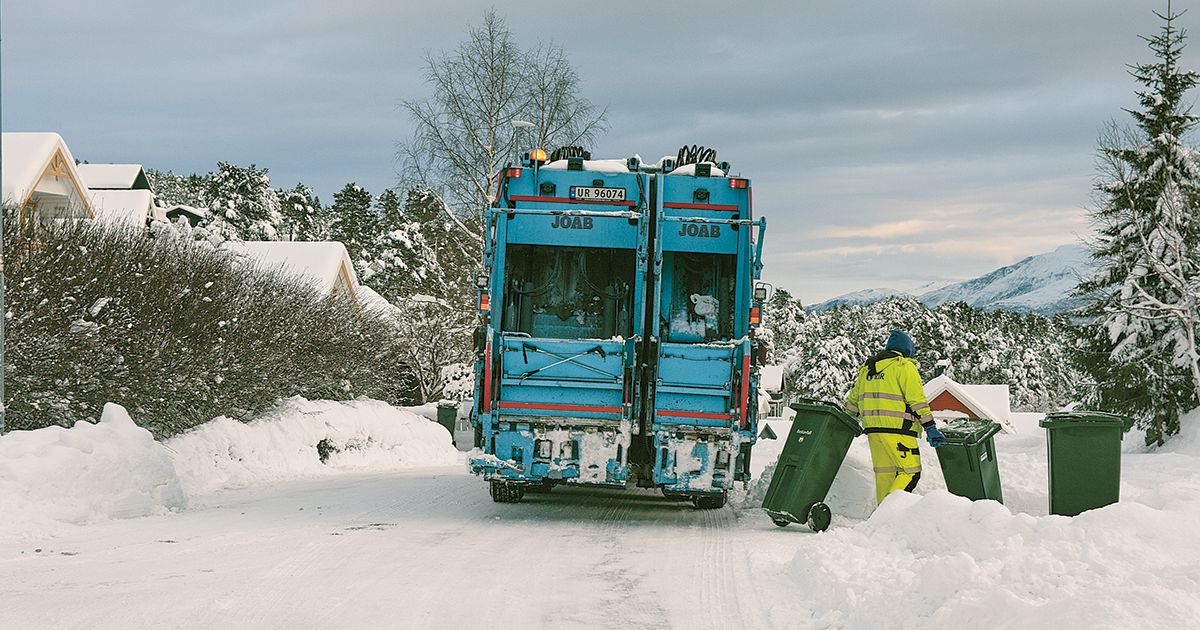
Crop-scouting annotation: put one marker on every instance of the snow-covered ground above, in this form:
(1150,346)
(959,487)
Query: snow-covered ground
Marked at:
(243,526)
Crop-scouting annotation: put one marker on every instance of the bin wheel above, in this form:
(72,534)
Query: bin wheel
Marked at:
(819,517)
(781,522)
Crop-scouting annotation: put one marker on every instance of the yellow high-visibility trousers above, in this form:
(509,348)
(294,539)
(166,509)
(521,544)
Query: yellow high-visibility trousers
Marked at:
(897,463)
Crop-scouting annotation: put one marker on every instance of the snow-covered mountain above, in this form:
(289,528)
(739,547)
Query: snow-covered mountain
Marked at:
(1040,284)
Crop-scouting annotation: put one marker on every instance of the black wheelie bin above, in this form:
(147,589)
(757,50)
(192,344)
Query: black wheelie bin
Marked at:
(968,459)
(815,448)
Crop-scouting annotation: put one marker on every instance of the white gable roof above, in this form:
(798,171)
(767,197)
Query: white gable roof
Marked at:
(326,265)
(126,206)
(985,401)
(114,176)
(41,163)
(770,377)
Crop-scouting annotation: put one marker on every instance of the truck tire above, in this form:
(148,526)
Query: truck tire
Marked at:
(504,492)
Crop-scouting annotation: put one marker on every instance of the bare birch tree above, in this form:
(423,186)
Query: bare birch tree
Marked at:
(464,132)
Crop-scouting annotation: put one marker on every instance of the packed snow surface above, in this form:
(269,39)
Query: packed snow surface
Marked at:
(243,526)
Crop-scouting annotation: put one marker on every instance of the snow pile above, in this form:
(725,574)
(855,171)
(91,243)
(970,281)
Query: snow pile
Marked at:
(302,438)
(90,472)
(935,560)
(115,469)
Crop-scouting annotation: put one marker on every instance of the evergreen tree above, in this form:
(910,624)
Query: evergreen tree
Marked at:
(304,218)
(355,224)
(171,189)
(821,352)
(389,210)
(1141,344)
(242,204)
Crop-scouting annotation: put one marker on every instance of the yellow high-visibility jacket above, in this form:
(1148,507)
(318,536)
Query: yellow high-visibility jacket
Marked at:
(889,396)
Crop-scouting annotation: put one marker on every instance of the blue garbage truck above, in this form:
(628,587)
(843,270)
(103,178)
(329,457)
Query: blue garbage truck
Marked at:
(618,303)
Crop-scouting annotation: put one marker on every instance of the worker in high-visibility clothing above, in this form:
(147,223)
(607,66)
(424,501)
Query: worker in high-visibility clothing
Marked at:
(890,400)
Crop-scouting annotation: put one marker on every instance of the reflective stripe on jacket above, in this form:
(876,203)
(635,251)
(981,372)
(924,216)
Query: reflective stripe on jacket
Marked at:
(884,398)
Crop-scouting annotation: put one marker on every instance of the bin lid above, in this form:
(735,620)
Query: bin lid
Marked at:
(1057,419)
(826,407)
(968,432)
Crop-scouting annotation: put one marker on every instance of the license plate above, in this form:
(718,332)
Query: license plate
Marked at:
(595,193)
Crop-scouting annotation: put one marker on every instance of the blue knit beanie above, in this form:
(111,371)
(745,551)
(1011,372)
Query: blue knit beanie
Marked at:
(900,341)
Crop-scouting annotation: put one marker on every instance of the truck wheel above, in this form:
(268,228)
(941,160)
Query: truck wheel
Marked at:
(504,492)
(781,522)
(710,501)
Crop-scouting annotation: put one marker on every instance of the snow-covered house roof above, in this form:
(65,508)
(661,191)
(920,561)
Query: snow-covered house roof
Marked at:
(192,214)
(134,207)
(770,377)
(326,265)
(987,402)
(121,192)
(114,176)
(41,178)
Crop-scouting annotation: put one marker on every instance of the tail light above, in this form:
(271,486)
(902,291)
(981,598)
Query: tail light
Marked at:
(755,315)
(485,302)
(736,182)
(514,173)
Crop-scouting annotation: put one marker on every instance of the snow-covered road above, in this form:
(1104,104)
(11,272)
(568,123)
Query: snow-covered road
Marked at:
(418,549)
(248,525)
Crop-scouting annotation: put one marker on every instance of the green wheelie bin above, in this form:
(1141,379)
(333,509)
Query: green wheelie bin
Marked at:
(447,416)
(820,437)
(1083,450)
(968,459)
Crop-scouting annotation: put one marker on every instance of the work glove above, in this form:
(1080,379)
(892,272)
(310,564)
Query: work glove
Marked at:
(934,436)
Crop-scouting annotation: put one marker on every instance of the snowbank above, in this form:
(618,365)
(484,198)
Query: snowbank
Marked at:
(86,473)
(935,560)
(293,440)
(115,469)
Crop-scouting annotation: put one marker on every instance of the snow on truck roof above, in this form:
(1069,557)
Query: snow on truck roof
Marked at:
(622,166)
(599,166)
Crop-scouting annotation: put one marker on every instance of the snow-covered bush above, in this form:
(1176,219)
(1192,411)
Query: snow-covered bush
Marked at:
(171,330)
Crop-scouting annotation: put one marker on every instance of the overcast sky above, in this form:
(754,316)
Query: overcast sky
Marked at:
(890,143)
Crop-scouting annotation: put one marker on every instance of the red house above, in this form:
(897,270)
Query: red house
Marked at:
(949,399)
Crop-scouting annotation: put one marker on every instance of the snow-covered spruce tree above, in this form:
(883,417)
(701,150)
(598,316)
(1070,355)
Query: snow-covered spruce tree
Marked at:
(355,223)
(1140,346)
(304,219)
(242,204)
(422,266)
(171,189)
(782,319)
(821,352)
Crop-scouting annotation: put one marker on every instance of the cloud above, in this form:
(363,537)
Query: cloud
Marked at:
(886,140)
